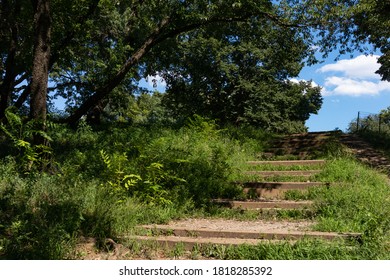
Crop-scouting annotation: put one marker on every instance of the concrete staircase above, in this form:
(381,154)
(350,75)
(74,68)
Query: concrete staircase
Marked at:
(264,193)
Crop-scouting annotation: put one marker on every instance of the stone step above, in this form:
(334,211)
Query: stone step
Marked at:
(294,151)
(274,234)
(295,141)
(315,133)
(298,155)
(281,185)
(356,143)
(291,150)
(307,137)
(189,243)
(276,189)
(265,204)
(289,173)
(189,237)
(288,162)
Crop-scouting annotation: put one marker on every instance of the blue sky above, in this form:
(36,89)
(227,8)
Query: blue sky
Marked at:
(348,85)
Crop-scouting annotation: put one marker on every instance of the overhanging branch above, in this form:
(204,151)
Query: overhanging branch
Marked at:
(159,35)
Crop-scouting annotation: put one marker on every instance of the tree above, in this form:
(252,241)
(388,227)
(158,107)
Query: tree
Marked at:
(239,74)
(101,46)
(23,24)
(163,23)
(372,17)
(15,49)
(346,25)
(385,116)
(41,59)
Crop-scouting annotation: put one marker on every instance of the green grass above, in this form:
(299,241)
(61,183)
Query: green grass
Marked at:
(43,215)
(306,249)
(302,250)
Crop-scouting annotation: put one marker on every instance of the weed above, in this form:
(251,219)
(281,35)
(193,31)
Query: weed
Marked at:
(21,132)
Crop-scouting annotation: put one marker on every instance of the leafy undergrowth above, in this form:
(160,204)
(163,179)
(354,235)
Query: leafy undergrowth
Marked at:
(104,182)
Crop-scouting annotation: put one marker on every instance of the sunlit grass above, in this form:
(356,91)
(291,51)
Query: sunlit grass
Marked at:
(43,214)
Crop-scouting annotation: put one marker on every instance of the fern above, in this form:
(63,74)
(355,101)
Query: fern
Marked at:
(106,159)
(121,184)
(21,135)
(152,188)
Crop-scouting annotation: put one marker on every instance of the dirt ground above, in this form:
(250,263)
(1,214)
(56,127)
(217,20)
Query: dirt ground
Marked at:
(234,225)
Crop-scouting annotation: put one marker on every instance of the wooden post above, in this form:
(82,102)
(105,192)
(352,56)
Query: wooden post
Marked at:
(358,122)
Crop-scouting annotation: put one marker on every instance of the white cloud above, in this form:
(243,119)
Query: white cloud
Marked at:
(294,80)
(360,67)
(351,87)
(156,81)
(357,77)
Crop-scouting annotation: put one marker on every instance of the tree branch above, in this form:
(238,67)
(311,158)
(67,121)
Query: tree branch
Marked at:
(114,81)
(55,55)
(158,36)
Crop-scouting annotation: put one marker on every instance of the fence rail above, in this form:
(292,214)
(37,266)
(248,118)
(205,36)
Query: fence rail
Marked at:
(366,121)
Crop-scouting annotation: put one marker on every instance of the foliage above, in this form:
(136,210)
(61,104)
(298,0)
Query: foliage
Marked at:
(346,25)
(42,216)
(151,189)
(353,204)
(143,108)
(39,216)
(101,49)
(374,128)
(373,22)
(20,133)
(302,250)
(238,74)
(199,154)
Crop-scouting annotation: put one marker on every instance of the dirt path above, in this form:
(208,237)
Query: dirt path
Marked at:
(244,226)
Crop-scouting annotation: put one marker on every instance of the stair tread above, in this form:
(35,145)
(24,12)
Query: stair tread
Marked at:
(190,242)
(284,172)
(178,231)
(288,162)
(265,204)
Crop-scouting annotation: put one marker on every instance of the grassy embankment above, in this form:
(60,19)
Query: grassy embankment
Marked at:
(107,181)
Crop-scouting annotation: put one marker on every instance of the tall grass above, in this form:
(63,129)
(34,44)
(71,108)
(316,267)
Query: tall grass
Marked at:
(42,215)
(178,170)
(359,201)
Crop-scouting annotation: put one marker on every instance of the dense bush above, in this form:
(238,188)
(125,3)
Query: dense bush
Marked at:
(105,181)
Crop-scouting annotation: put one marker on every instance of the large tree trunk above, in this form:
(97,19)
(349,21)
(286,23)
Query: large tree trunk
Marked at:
(10,11)
(6,87)
(41,58)
(55,54)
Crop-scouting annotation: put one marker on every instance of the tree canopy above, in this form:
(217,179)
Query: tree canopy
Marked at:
(240,74)
(96,50)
